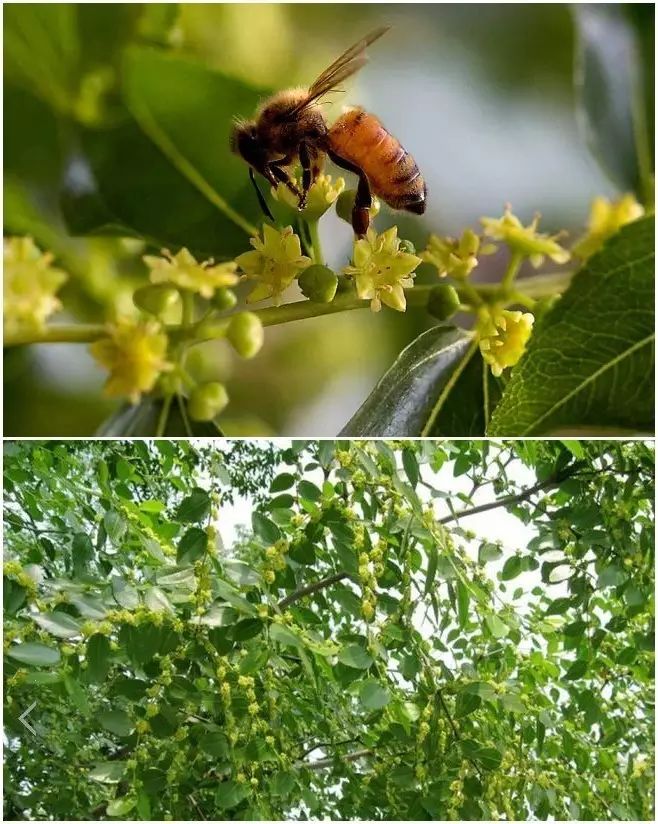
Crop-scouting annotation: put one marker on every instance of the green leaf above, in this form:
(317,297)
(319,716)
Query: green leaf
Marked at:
(115,526)
(614,101)
(410,465)
(108,772)
(284,636)
(210,206)
(467,410)
(229,794)
(355,656)
(489,552)
(34,654)
(576,670)
(98,658)
(282,482)
(463,599)
(489,757)
(498,628)
(117,722)
(120,806)
(466,703)
(265,528)
(168,96)
(143,420)
(192,545)
(309,491)
(59,624)
(410,395)
(589,362)
(511,568)
(194,508)
(512,703)
(373,695)
(432,564)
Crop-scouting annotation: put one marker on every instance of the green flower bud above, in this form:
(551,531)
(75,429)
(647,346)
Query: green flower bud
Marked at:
(318,283)
(408,247)
(157,299)
(345,204)
(443,301)
(245,332)
(207,401)
(224,299)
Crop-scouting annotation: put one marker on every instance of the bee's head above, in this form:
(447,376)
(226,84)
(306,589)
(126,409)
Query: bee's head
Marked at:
(244,141)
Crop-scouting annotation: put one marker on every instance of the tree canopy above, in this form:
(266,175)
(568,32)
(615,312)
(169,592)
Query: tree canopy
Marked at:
(370,647)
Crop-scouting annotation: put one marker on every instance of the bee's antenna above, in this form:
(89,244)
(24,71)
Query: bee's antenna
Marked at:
(259,194)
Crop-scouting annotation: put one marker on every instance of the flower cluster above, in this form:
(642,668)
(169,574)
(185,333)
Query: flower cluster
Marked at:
(382,269)
(275,560)
(371,568)
(503,335)
(30,285)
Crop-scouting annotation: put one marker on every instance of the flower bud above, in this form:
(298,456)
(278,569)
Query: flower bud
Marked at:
(443,301)
(207,401)
(345,204)
(156,299)
(245,332)
(318,283)
(224,299)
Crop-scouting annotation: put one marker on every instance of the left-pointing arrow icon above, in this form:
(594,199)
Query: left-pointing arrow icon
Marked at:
(22,718)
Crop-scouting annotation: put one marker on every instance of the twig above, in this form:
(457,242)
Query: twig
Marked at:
(311,588)
(328,762)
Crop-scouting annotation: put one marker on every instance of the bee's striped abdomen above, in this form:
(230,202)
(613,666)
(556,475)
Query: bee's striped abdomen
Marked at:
(360,138)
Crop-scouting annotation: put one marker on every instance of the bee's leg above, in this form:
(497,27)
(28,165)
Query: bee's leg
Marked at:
(363,199)
(307,173)
(275,174)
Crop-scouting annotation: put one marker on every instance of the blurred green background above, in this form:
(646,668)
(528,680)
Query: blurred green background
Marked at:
(481,95)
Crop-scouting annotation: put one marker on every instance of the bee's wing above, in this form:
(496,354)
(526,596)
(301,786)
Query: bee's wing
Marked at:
(345,66)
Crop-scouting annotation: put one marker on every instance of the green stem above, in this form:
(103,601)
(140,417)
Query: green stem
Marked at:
(316,245)
(62,333)
(512,271)
(164,415)
(536,287)
(187,298)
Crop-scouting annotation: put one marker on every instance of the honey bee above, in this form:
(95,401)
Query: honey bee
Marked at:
(289,127)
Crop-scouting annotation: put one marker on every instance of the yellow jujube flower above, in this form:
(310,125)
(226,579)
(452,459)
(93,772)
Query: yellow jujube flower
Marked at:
(525,240)
(29,286)
(381,271)
(605,219)
(503,335)
(453,257)
(322,194)
(275,262)
(135,355)
(183,271)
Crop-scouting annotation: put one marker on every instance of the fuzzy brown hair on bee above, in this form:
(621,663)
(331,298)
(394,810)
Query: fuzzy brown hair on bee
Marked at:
(289,128)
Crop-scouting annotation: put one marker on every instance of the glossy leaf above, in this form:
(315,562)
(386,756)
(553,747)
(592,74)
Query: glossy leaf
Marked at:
(410,395)
(34,654)
(615,106)
(590,360)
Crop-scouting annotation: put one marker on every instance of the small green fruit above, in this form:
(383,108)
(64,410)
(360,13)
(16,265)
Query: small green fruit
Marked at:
(246,334)
(156,299)
(443,302)
(207,401)
(318,283)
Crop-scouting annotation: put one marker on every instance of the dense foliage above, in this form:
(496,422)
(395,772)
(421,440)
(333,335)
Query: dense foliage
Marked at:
(360,653)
